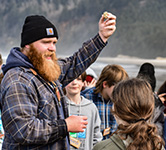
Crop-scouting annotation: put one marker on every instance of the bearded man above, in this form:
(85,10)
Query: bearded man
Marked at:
(34,110)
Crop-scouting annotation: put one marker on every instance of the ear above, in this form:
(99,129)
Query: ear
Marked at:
(27,46)
(25,49)
(104,84)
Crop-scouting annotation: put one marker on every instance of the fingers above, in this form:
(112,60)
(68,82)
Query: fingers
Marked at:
(107,26)
(162,97)
(84,123)
(76,123)
(84,118)
(110,28)
(84,126)
(90,84)
(111,16)
(110,22)
(93,81)
(108,17)
(163,94)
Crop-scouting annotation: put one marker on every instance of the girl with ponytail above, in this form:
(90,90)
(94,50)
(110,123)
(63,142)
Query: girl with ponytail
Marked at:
(133,109)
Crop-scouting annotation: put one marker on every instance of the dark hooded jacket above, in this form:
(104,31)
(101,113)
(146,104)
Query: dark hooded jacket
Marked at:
(33,117)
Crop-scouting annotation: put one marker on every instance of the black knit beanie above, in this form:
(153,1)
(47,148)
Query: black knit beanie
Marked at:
(35,28)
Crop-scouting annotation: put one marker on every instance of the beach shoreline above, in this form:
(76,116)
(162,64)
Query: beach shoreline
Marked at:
(158,62)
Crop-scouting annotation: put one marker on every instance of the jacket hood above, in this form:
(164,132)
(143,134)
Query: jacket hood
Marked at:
(16,59)
(84,102)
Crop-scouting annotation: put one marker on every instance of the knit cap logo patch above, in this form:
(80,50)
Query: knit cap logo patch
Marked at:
(50,31)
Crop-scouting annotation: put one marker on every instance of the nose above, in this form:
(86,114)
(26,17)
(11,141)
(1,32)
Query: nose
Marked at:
(74,81)
(52,47)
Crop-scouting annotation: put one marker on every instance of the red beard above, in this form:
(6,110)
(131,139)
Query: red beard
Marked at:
(48,69)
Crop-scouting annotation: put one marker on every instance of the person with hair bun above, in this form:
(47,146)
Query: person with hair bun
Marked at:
(133,109)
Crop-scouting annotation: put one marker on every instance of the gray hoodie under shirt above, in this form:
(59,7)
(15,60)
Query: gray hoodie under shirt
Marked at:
(92,134)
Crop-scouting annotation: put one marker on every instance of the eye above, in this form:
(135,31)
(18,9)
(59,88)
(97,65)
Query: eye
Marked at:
(79,79)
(45,41)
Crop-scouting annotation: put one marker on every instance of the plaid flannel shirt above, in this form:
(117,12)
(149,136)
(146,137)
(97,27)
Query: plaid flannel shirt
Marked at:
(107,119)
(31,114)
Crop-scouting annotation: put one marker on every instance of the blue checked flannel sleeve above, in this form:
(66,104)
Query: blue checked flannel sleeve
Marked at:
(75,65)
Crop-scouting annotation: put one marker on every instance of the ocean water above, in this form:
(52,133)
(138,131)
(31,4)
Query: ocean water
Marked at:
(130,64)
(132,69)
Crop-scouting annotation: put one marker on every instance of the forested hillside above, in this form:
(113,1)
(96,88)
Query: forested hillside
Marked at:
(140,24)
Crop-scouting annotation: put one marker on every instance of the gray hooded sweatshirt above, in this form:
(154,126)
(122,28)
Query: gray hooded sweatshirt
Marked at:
(92,133)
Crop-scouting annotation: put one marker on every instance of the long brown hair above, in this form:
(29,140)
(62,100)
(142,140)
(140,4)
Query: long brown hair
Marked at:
(134,104)
(112,74)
